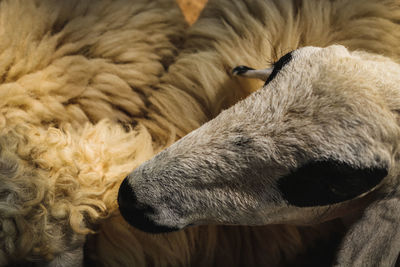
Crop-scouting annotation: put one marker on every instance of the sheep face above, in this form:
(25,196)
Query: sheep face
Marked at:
(320,134)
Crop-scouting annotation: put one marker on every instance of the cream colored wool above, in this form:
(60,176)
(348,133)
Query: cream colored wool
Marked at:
(66,65)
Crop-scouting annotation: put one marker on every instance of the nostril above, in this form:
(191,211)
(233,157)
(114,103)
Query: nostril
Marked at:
(134,212)
(137,213)
(127,200)
(126,195)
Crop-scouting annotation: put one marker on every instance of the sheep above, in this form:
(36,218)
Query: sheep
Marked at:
(319,137)
(248,40)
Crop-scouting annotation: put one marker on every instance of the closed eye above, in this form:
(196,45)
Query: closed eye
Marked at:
(278,66)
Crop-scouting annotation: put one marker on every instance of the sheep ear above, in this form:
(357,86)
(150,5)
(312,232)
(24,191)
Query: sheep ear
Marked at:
(319,183)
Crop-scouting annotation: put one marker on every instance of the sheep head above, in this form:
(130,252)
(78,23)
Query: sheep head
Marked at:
(320,134)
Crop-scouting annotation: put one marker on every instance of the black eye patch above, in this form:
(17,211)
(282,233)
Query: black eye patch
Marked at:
(320,183)
(278,66)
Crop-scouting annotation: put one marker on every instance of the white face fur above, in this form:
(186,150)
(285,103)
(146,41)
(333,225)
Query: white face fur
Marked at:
(321,133)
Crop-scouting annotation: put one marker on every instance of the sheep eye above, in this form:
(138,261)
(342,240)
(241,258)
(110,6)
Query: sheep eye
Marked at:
(278,66)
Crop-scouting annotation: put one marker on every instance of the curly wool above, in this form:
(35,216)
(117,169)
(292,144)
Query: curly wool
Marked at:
(65,67)
(54,185)
(83,61)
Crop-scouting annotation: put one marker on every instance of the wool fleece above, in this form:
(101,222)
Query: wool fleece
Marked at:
(75,116)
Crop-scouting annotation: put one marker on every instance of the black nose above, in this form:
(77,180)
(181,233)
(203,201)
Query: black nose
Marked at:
(136,213)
